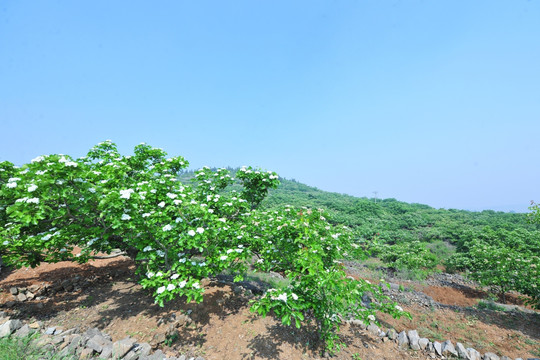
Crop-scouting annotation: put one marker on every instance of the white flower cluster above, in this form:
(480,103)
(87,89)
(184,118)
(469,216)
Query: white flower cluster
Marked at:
(281,297)
(126,194)
(28,200)
(67,162)
(199,230)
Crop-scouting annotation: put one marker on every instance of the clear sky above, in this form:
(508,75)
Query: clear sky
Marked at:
(435,102)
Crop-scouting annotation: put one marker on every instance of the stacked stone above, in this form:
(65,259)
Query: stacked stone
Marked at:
(411,340)
(92,344)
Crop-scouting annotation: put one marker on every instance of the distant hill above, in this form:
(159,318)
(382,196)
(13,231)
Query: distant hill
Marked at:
(391,220)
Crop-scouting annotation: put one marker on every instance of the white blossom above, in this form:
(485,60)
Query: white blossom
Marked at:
(175,276)
(161,204)
(223,257)
(167,227)
(11,185)
(33,200)
(146,215)
(200,230)
(148,248)
(399,308)
(38,159)
(126,194)
(371,318)
(177,202)
(126,217)
(182,283)
(191,233)
(196,285)
(32,188)
(160,253)
(161,289)
(46,237)
(171,287)
(294,296)
(92,190)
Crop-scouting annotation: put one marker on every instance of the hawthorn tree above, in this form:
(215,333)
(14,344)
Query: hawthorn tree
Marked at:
(179,234)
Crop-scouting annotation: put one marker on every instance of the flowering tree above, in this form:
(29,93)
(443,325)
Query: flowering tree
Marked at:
(179,233)
(504,264)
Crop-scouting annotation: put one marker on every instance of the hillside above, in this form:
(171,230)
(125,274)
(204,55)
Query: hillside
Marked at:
(409,247)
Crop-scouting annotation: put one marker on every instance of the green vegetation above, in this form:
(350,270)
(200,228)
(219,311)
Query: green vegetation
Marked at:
(17,348)
(213,220)
(497,249)
(180,233)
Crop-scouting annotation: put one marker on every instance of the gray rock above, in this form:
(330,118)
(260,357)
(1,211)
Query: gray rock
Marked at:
(75,341)
(66,352)
(437,347)
(122,347)
(13,291)
(462,352)
(473,354)
(158,355)
(144,349)
(413,339)
(25,330)
(132,355)
(490,356)
(423,343)
(93,332)
(86,353)
(448,348)
(9,327)
(392,334)
(354,322)
(50,331)
(57,340)
(182,357)
(106,353)
(403,340)
(373,329)
(96,342)
(69,332)
(505,358)
(21,297)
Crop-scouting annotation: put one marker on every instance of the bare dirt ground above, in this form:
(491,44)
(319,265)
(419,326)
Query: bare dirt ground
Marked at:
(107,296)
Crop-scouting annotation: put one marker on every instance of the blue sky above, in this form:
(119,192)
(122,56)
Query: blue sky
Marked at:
(435,102)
